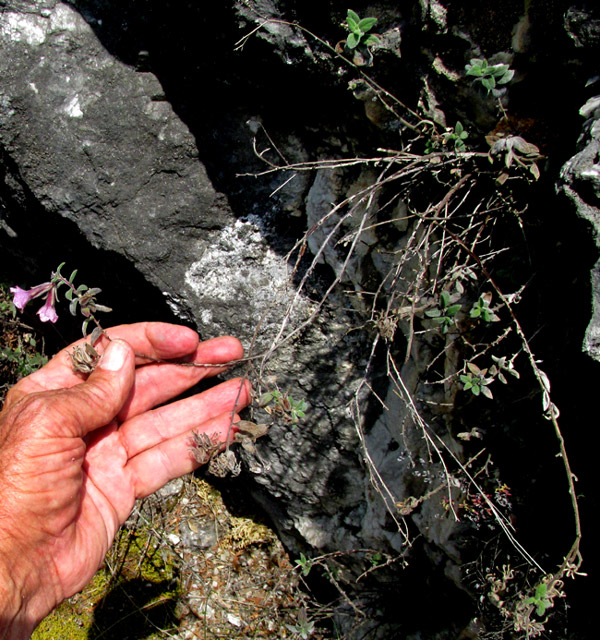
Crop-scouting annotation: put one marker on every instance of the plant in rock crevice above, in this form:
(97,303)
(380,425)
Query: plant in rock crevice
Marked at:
(456,138)
(517,152)
(476,380)
(359,31)
(277,403)
(358,44)
(481,309)
(449,214)
(489,75)
(445,314)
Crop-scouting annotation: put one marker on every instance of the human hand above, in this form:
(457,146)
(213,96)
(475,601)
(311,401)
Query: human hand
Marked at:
(75,454)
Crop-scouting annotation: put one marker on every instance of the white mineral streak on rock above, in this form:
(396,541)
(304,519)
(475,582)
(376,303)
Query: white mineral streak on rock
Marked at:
(312,532)
(73,108)
(239,266)
(64,18)
(27,28)
(227,267)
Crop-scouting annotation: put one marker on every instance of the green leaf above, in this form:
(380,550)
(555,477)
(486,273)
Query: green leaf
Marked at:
(541,590)
(352,21)
(507,77)
(352,41)
(473,368)
(453,310)
(486,392)
(96,333)
(84,326)
(69,294)
(433,313)
(445,298)
(458,129)
(488,83)
(371,41)
(73,307)
(499,69)
(366,24)
(103,308)
(73,276)
(265,399)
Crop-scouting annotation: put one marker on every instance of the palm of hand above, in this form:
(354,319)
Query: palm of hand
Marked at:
(76,457)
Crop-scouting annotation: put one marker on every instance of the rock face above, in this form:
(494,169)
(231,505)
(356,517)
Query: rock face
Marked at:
(96,142)
(580,176)
(580,181)
(111,119)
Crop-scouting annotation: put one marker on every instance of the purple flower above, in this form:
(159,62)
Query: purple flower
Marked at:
(22,296)
(47,313)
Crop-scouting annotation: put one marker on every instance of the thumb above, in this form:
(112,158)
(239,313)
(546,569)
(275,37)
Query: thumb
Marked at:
(96,402)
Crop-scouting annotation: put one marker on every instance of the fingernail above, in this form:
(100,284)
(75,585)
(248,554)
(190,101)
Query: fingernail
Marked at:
(114,356)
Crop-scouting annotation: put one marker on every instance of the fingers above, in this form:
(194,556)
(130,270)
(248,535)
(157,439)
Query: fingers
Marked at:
(157,383)
(155,339)
(84,407)
(154,467)
(153,428)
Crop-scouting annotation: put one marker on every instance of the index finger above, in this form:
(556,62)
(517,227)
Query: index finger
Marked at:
(155,339)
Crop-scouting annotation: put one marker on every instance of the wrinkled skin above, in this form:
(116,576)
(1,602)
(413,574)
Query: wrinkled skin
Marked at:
(76,452)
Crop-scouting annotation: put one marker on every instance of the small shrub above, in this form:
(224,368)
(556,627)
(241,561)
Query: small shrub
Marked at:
(476,381)
(444,315)
(489,75)
(358,31)
(456,138)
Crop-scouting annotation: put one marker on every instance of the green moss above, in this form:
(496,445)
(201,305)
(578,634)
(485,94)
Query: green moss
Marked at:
(74,617)
(138,600)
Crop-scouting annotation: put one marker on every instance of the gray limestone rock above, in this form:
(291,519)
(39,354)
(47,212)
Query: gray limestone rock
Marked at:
(96,143)
(580,182)
(91,141)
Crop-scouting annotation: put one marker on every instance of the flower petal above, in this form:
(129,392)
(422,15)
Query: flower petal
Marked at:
(20,297)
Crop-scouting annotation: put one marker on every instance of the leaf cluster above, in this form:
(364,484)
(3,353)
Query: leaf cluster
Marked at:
(489,75)
(516,150)
(359,29)
(81,296)
(456,137)
(304,564)
(281,403)
(540,599)
(445,314)
(481,309)
(22,359)
(476,380)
